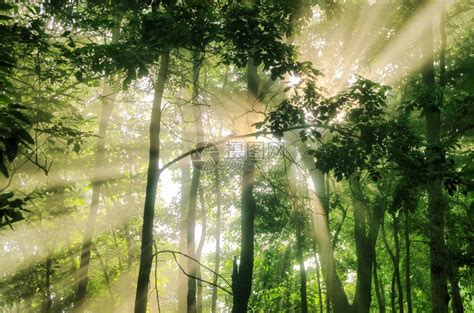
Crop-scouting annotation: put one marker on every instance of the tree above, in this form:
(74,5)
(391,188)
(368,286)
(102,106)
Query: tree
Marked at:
(107,106)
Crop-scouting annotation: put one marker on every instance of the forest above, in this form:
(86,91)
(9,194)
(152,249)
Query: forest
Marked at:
(238,156)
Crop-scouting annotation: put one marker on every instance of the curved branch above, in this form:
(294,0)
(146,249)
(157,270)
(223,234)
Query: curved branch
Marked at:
(174,253)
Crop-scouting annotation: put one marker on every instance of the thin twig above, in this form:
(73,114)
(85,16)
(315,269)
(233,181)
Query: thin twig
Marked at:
(173,253)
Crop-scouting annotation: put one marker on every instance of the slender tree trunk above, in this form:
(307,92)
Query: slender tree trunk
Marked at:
(193,193)
(393,293)
(217,236)
(396,264)
(408,261)
(436,201)
(184,202)
(364,248)
(97,182)
(299,225)
(320,210)
(328,264)
(48,300)
(378,288)
(376,221)
(455,292)
(202,240)
(298,222)
(242,275)
(190,241)
(153,175)
(392,257)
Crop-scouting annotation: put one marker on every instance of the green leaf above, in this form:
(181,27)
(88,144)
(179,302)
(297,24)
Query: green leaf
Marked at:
(77,148)
(5,196)
(5,99)
(25,136)
(78,76)
(3,168)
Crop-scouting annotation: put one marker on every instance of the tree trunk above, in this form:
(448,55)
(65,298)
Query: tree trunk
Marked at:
(318,277)
(396,263)
(320,209)
(242,275)
(378,288)
(190,241)
(153,175)
(217,236)
(48,300)
(392,257)
(97,182)
(299,225)
(408,261)
(376,221)
(298,222)
(193,193)
(202,240)
(364,248)
(328,303)
(328,264)
(436,202)
(455,293)
(184,202)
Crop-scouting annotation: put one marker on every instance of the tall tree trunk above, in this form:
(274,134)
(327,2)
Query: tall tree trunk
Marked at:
(320,210)
(396,263)
(364,248)
(190,241)
(376,221)
(333,283)
(217,236)
(298,222)
(379,292)
(242,275)
(408,261)
(392,258)
(184,202)
(202,240)
(299,225)
(193,193)
(436,201)
(455,292)
(153,175)
(97,181)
